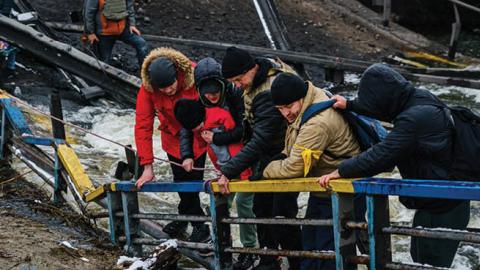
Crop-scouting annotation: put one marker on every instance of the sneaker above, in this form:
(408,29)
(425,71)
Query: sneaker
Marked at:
(200,234)
(176,229)
(245,261)
(268,265)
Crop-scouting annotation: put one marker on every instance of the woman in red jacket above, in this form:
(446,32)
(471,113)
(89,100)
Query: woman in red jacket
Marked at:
(167,76)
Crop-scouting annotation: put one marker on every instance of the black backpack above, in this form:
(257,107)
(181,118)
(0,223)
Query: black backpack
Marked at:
(466,144)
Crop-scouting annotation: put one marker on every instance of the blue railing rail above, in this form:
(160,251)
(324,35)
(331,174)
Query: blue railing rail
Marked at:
(124,217)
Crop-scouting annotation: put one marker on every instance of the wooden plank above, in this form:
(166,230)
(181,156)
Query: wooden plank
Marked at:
(96,194)
(75,170)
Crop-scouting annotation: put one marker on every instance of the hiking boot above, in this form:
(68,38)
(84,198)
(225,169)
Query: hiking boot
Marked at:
(176,229)
(245,261)
(268,265)
(200,234)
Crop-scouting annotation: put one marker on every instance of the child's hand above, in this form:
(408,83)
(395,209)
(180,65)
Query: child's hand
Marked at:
(187,164)
(207,136)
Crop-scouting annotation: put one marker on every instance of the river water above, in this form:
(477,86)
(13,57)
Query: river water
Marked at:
(108,119)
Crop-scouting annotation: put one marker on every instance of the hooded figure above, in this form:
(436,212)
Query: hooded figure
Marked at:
(420,145)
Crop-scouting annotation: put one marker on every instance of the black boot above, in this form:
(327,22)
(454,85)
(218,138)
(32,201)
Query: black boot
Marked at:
(268,264)
(200,234)
(176,229)
(245,261)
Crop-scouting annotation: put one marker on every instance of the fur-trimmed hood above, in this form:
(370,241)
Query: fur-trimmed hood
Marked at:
(182,63)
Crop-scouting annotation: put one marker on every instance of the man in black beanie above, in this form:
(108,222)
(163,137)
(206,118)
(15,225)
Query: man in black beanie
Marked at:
(311,149)
(264,139)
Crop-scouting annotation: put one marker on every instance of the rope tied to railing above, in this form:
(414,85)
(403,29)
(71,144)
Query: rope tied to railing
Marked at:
(19,101)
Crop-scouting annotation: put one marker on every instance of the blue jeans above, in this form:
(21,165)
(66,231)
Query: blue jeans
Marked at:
(106,43)
(318,237)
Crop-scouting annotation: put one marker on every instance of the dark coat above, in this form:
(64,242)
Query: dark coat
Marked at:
(264,139)
(420,143)
(230,100)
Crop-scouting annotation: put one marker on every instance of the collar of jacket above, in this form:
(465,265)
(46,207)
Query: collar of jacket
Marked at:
(182,63)
(307,101)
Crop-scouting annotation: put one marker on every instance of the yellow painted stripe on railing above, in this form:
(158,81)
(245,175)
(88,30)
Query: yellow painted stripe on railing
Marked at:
(75,170)
(95,194)
(289,185)
(430,57)
(4,94)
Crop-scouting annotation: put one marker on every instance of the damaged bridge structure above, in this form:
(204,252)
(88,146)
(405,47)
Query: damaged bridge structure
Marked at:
(64,172)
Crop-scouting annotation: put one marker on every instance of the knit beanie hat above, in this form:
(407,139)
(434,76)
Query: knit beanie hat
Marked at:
(288,88)
(236,62)
(190,113)
(162,73)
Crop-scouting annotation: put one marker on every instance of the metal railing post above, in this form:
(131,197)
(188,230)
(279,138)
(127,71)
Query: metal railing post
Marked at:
(220,231)
(345,239)
(380,246)
(115,224)
(131,226)
(4,136)
(58,183)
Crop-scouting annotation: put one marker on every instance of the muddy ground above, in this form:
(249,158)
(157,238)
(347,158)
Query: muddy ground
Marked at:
(33,230)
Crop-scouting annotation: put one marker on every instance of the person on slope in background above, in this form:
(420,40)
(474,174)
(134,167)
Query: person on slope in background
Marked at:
(107,21)
(167,76)
(420,145)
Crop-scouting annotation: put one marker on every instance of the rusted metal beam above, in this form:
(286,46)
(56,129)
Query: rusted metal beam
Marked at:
(325,255)
(404,266)
(435,233)
(117,83)
(279,221)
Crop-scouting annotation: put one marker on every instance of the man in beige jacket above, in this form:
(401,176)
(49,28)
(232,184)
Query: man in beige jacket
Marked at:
(312,149)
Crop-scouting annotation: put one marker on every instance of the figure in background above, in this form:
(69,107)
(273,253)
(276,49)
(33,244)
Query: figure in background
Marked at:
(107,21)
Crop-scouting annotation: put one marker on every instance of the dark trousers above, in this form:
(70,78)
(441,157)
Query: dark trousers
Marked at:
(268,205)
(105,45)
(318,237)
(438,252)
(189,201)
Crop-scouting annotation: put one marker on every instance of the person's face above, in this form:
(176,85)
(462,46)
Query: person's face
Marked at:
(214,98)
(245,80)
(170,90)
(291,111)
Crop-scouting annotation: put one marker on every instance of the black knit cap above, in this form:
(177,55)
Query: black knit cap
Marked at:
(190,113)
(162,73)
(236,62)
(288,88)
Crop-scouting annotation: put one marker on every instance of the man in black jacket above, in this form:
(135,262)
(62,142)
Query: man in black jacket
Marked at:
(264,139)
(216,91)
(420,145)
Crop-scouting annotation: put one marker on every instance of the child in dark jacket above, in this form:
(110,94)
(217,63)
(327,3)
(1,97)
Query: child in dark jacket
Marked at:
(195,117)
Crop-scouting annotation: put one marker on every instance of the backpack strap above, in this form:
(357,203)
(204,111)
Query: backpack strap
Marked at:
(315,109)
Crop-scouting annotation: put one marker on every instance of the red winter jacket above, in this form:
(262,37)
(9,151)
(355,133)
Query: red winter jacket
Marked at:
(151,102)
(218,117)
